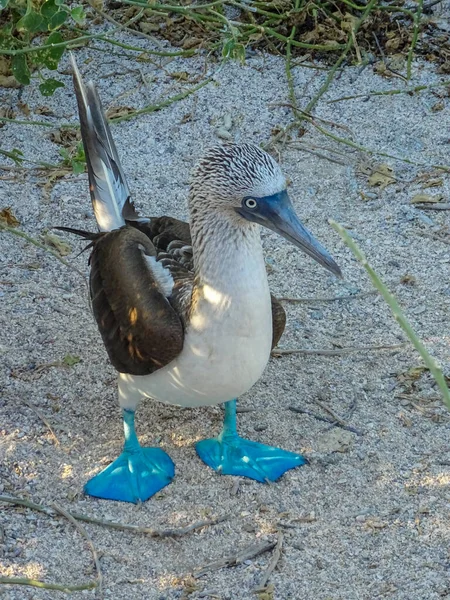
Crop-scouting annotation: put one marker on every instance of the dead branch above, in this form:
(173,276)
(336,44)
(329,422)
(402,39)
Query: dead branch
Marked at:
(86,536)
(271,566)
(235,559)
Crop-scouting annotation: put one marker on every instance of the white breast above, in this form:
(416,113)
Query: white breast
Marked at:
(227,343)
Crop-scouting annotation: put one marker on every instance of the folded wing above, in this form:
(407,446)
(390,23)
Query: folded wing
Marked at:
(131,292)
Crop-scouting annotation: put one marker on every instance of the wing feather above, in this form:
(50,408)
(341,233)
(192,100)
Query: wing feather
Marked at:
(140,329)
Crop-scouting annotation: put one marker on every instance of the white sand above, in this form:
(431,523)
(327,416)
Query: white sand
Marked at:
(381,501)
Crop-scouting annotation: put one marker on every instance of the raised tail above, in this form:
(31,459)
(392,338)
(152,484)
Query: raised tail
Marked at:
(107,183)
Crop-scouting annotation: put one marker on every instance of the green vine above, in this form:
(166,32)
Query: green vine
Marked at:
(23,22)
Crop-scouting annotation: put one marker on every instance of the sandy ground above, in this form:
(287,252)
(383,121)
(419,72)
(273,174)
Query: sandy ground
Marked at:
(368,518)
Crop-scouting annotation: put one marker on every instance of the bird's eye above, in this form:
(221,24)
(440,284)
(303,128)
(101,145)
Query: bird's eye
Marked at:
(250,203)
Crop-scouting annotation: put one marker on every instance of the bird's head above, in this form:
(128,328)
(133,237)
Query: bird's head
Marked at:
(246,182)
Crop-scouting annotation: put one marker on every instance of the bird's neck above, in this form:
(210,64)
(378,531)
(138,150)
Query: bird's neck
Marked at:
(227,253)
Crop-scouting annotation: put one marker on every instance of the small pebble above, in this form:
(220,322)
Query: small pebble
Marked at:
(317,315)
(360,518)
(227,121)
(260,427)
(223,134)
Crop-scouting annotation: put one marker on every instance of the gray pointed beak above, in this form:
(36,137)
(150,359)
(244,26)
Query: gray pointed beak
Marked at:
(277,213)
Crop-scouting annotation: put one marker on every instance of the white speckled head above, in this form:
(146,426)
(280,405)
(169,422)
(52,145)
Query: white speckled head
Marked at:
(230,172)
(236,186)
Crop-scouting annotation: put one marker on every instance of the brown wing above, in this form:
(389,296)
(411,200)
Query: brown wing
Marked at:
(172,241)
(131,294)
(141,323)
(278,321)
(165,232)
(140,329)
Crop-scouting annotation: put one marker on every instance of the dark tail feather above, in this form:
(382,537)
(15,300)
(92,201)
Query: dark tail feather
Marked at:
(87,235)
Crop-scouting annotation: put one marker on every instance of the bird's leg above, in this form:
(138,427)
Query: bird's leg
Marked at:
(230,454)
(137,474)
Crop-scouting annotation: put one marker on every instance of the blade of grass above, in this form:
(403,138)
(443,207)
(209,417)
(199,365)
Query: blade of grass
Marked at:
(146,110)
(397,312)
(155,107)
(67,589)
(411,90)
(351,144)
(30,239)
(417,18)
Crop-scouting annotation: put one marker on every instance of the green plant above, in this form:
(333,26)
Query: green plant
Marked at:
(20,23)
(232,48)
(397,312)
(74,158)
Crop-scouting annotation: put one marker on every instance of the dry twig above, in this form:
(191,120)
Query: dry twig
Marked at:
(271,566)
(331,412)
(235,559)
(337,352)
(332,299)
(433,236)
(86,536)
(304,411)
(175,532)
(67,589)
(434,206)
(43,419)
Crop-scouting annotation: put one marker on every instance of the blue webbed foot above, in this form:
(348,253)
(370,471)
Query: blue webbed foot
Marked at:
(238,456)
(137,474)
(230,454)
(133,476)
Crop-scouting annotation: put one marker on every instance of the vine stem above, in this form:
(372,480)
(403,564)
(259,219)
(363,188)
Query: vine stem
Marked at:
(155,107)
(350,43)
(30,239)
(411,90)
(397,312)
(60,587)
(417,17)
(351,144)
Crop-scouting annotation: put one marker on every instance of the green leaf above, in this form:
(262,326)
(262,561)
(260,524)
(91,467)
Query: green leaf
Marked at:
(70,359)
(49,8)
(65,155)
(78,15)
(20,69)
(234,50)
(56,38)
(3,4)
(6,36)
(58,19)
(31,22)
(78,167)
(228,48)
(239,53)
(79,154)
(50,56)
(48,87)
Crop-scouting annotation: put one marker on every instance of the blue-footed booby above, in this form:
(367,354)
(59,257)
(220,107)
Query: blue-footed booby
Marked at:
(185,310)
